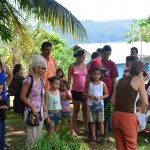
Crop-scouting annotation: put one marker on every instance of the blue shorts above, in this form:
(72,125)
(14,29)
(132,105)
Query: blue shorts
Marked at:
(55,119)
(65,114)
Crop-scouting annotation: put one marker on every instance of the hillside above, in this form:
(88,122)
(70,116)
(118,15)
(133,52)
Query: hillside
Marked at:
(98,32)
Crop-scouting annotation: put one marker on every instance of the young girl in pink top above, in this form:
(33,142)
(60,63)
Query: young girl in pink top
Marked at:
(65,96)
(78,71)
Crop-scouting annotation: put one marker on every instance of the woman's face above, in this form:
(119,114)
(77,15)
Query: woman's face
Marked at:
(41,70)
(81,58)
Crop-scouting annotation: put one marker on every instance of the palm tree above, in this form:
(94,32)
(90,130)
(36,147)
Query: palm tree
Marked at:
(46,11)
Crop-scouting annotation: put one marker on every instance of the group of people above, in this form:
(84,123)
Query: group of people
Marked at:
(47,92)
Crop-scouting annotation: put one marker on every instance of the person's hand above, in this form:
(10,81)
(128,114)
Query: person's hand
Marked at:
(63,97)
(35,111)
(45,115)
(4,107)
(48,120)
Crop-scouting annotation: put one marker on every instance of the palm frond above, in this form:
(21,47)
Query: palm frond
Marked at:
(11,23)
(49,11)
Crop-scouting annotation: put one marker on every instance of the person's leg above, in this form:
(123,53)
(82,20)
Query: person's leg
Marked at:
(85,115)
(76,108)
(130,131)
(2,134)
(120,145)
(93,129)
(38,130)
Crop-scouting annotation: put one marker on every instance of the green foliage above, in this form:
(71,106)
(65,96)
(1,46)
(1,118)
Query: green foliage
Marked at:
(139,31)
(61,141)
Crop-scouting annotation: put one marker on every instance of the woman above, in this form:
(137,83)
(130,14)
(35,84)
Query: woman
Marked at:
(35,100)
(125,125)
(78,71)
(15,88)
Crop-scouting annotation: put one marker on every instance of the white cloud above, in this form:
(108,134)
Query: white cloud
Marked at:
(100,10)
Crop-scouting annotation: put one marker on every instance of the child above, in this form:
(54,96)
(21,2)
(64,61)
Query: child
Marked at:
(3,107)
(53,105)
(65,96)
(60,73)
(96,91)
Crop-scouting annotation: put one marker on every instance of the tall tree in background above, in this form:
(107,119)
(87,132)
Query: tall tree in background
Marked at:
(46,11)
(139,31)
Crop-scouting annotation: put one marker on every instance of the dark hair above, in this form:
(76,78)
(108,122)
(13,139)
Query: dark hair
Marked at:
(94,55)
(134,48)
(136,68)
(16,69)
(78,53)
(1,65)
(99,50)
(63,75)
(52,79)
(106,48)
(65,82)
(131,58)
(45,44)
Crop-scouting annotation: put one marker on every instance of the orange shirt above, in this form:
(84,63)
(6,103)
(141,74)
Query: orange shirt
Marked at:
(51,71)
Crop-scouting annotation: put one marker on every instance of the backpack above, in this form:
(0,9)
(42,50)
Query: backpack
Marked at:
(22,104)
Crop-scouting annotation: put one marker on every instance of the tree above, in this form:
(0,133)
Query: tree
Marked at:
(46,11)
(139,30)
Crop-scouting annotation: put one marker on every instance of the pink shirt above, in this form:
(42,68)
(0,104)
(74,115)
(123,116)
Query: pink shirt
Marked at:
(79,78)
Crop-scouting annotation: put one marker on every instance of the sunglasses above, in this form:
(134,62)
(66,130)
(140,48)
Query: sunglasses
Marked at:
(43,68)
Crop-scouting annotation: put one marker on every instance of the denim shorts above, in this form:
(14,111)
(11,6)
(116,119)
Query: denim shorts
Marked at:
(65,114)
(55,119)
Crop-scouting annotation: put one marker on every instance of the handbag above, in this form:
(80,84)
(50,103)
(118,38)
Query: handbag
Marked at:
(33,120)
(97,106)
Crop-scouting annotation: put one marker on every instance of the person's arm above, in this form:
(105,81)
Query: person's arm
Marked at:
(113,98)
(24,91)
(9,75)
(30,70)
(113,83)
(4,107)
(143,95)
(69,76)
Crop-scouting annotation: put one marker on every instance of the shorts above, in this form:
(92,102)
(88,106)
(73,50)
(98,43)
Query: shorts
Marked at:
(95,116)
(77,96)
(55,119)
(65,114)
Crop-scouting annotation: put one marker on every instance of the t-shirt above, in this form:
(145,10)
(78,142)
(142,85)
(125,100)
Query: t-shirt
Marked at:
(94,63)
(112,73)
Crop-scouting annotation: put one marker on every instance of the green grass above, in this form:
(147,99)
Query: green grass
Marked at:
(16,136)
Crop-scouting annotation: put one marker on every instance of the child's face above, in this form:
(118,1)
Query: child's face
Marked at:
(55,85)
(59,73)
(128,64)
(96,75)
(1,88)
(63,87)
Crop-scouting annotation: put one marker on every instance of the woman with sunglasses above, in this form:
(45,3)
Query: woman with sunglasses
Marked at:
(124,120)
(35,100)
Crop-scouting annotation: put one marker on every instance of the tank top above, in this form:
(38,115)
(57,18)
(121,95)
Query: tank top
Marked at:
(126,95)
(96,90)
(54,101)
(3,81)
(79,77)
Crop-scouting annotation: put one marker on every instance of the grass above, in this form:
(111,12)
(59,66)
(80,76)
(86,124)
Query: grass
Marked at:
(16,136)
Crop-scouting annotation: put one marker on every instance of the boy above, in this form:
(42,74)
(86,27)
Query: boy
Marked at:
(3,107)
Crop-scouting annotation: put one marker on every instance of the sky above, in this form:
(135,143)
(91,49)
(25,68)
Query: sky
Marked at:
(104,10)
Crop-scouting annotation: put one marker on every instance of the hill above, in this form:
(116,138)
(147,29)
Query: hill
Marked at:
(100,32)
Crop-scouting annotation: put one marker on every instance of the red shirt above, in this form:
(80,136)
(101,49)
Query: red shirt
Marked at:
(112,73)
(94,63)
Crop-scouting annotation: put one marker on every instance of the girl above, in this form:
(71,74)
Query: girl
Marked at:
(60,73)
(96,91)
(78,71)
(65,96)
(53,105)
